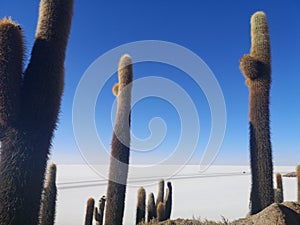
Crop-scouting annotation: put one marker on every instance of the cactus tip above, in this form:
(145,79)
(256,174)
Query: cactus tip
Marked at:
(125,60)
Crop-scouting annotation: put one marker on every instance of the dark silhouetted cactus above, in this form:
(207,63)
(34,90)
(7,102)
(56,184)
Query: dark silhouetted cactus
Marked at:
(141,206)
(160,193)
(48,204)
(119,159)
(29,110)
(99,212)
(11,66)
(151,210)
(160,212)
(89,211)
(256,68)
(168,201)
(298,181)
(278,194)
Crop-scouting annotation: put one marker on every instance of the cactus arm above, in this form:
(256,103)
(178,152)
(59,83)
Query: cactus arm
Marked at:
(11,66)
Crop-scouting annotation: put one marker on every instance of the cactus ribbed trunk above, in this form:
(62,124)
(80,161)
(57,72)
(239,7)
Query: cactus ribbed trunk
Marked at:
(256,67)
(49,198)
(26,143)
(119,159)
(151,210)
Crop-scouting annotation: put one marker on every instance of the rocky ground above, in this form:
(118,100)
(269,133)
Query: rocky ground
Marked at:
(287,213)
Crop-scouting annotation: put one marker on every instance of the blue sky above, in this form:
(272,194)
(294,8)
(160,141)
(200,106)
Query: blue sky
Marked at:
(218,32)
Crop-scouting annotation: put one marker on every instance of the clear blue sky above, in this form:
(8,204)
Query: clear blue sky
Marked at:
(217,31)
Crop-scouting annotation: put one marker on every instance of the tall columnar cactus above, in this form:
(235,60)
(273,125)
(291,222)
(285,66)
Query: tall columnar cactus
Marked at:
(99,212)
(278,193)
(89,211)
(160,211)
(256,68)
(141,206)
(29,107)
(298,181)
(168,201)
(151,210)
(119,159)
(160,193)
(48,204)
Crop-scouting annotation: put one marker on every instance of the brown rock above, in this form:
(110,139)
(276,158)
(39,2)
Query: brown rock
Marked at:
(275,214)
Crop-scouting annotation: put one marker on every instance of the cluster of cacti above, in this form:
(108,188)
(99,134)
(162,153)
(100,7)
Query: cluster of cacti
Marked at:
(94,212)
(298,182)
(256,68)
(47,215)
(161,210)
(29,107)
(278,191)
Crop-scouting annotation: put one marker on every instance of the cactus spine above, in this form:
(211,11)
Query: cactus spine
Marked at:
(160,194)
(99,212)
(298,181)
(141,206)
(256,68)
(33,109)
(89,211)
(49,198)
(160,211)
(168,201)
(119,159)
(151,210)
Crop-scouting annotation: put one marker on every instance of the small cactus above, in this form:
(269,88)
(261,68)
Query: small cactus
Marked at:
(89,211)
(151,210)
(49,198)
(256,68)
(99,212)
(298,181)
(160,211)
(168,201)
(278,194)
(141,206)
(160,194)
